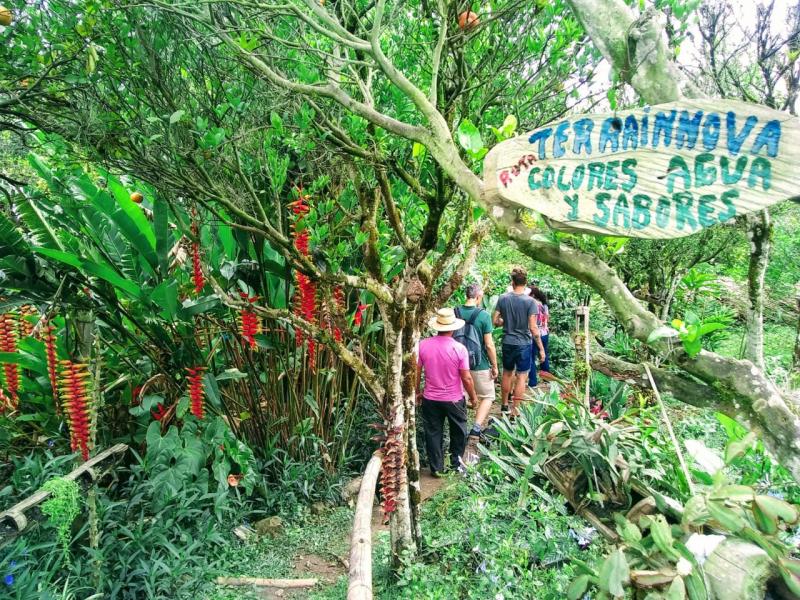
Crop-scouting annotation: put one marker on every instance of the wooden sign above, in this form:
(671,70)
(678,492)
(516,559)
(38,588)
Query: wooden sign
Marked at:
(660,172)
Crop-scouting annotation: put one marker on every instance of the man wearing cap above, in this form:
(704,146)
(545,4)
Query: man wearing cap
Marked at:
(446,366)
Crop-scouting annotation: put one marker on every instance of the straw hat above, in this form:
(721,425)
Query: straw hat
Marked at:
(445,320)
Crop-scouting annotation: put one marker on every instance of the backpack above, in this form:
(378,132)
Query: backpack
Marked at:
(470,337)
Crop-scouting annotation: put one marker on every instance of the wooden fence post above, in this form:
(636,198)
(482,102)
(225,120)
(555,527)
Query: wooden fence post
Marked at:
(360,585)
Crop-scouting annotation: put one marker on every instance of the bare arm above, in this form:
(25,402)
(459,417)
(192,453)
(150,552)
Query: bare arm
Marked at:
(491,352)
(536,335)
(497,320)
(469,386)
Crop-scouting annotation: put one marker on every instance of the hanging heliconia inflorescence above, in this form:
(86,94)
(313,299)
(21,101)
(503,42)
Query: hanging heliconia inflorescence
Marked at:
(196,391)
(26,326)
(8,343)
(49,339)
(198,278)
(249,323)
(358,315)
(305,300)
(75,394)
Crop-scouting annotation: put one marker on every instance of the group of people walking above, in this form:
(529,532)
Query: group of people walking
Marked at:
(460,366)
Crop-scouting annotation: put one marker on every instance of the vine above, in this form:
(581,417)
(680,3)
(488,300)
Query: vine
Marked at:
(61,508)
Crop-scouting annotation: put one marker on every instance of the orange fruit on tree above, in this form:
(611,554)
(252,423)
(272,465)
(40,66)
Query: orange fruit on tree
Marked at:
(5,16)
(137,197)
(468,20)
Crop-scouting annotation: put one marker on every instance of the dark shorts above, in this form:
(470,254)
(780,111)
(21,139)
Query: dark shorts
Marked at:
(517,358)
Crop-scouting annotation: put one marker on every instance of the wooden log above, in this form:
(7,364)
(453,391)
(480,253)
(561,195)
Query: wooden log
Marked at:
(16,514)
(738,570)
(273,583)
(360,575)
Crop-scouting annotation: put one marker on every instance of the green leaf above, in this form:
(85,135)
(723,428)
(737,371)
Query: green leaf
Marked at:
(165,295)
(726,517)
(614,573)
(578,587)
(661,332)
(191,308)
(662,536)
(65,257)
(775,509)
(112,277)
(162,232)
(790,572)
(737,493)
(176,116)
(764,521)
(629,532)
(736,448)
(677,590)
(232,373)
(470,138)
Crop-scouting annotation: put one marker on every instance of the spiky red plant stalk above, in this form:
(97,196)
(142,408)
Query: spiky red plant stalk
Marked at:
(5,402)
(197,271)
(74,391)
(249,323)
(305,301)
(52,361)
(8,343)
(196,391)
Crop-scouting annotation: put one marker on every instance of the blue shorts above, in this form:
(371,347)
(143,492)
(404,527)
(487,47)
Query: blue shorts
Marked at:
(517,358)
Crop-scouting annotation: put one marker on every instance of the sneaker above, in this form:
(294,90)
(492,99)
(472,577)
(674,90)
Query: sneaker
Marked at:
(504,409)
(436,474)
(471,455)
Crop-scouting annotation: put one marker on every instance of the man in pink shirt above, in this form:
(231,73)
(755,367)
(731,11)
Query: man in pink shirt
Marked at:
(446,366)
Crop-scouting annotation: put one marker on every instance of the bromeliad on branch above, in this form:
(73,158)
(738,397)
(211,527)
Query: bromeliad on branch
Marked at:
(77,404)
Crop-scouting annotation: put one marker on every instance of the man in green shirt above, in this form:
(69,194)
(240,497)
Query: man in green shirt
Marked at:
(485,372)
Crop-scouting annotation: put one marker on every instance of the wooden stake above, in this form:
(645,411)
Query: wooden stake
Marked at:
(668,423)
(360,586)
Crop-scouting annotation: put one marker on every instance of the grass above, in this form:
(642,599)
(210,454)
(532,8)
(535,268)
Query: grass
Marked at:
(484,539)
(325,536)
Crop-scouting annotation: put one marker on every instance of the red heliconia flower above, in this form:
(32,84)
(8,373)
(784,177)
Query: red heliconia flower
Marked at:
(160,412)
(358,316)
(77,402)
(26,326)
(5,402)
(52,361)
(249,323)
(8,343)
(197,271)
(196,391)
(305,301)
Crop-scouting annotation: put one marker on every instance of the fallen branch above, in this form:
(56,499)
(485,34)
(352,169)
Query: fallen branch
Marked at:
(16,514)
(360,586)
(274,583)
(608,533)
